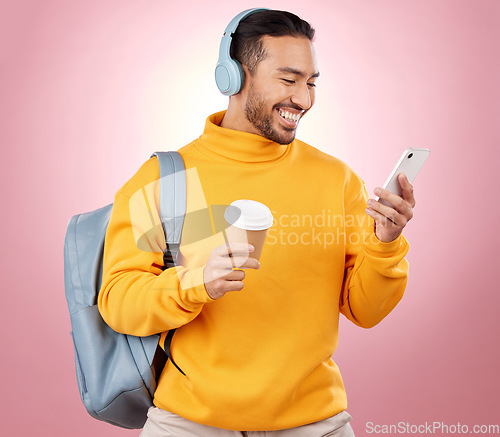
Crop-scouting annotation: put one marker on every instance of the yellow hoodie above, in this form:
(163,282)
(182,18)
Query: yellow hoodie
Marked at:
(260,358)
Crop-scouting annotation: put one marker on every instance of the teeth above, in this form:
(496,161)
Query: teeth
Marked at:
(289,116)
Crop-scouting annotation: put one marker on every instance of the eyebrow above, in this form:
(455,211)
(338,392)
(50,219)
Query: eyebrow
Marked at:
(292,70)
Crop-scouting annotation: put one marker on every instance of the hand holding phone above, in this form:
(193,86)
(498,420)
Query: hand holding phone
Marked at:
(390,221)
(410,163)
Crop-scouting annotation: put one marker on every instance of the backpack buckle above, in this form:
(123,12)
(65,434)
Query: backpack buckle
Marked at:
(170,255)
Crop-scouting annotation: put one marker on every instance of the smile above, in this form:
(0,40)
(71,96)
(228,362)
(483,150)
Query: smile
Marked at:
(290,117)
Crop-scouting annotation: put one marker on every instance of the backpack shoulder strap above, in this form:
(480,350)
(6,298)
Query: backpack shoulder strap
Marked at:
(173,194)
(172,202)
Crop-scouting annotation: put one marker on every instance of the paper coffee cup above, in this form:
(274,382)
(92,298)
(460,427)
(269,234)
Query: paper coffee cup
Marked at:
(248,222)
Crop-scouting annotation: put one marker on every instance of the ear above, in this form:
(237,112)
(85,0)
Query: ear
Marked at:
(246,81)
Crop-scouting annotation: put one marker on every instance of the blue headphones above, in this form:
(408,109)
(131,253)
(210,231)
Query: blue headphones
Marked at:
(229,74)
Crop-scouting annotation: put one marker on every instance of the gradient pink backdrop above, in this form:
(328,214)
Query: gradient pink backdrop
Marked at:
(89,89)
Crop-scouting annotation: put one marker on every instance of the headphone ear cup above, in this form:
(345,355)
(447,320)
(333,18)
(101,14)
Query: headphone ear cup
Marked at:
(229,76)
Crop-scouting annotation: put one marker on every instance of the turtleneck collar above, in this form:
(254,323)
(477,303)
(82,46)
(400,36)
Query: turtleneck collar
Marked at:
(238,145)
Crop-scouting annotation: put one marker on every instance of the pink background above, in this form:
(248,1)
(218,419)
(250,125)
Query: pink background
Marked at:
(90,88)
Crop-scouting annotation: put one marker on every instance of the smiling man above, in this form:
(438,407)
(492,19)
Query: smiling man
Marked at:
(279,88)
(255,343)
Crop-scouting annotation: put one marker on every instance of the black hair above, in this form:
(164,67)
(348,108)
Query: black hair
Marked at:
(247,46)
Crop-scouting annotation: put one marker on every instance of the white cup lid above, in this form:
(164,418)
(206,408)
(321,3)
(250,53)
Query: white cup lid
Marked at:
(249,215)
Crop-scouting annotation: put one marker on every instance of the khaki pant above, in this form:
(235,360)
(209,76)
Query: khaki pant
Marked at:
(162,423)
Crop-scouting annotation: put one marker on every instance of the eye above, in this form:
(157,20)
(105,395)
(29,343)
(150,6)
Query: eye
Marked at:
(312,85)
(288,81)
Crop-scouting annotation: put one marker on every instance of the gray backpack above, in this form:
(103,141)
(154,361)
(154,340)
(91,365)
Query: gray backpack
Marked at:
(117,373)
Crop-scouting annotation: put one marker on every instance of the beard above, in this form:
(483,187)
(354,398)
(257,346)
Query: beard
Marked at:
(256,114)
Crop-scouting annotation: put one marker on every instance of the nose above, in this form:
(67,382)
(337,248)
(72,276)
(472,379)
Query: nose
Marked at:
(303,96)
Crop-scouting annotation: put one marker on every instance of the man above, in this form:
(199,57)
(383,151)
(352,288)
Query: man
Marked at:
(255,345)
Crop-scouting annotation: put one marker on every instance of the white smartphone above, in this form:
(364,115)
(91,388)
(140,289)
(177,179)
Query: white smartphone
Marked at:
(410,163)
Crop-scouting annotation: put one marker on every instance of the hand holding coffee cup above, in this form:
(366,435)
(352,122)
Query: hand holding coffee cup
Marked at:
(248,222)
(219,274)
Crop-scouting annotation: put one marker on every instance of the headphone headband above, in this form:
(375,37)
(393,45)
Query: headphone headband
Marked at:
(229,74)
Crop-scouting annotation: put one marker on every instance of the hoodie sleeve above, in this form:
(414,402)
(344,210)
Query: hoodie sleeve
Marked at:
(137,296)
(376,272)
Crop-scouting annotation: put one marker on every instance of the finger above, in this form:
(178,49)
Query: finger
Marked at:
(240,250)
(218,278)
(393,199)
(381,208)
(226,286)
(407,189)
(233,286)
(235,275)
(221,265)
(397,202)
(240,261)
(251,263)
(381,219)
(234,249)
(386,211)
